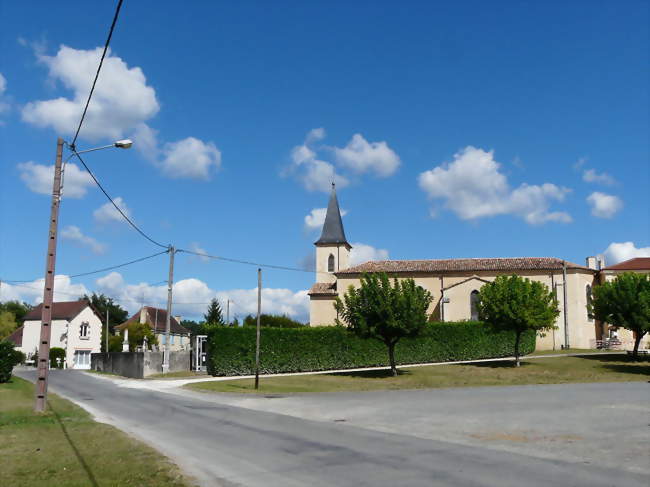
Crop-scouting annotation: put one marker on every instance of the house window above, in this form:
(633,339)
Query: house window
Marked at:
(84,331)
(330,263)
(473,305)
(590,316)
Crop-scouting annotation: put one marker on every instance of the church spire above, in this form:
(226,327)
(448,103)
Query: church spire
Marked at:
(333,232)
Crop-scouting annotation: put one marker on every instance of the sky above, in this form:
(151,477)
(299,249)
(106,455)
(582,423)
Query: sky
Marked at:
(452,130)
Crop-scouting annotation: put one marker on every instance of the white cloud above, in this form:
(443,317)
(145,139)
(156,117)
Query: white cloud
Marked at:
(362,157)
(472,187)
(314,174)
(145,140)
(361,253)
(195,247)
(315,135)
(190,158)
(74,234)
(4,106)
(39,179)
(107,212)
(593,176)
(32,292)
(622,251)
(121,100)
(604,205)
(316,217)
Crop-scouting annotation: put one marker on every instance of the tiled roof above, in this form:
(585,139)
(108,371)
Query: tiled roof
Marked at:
(462,265)
(323,288)
(63,310)
(636,264)
(157,322)
(16,337)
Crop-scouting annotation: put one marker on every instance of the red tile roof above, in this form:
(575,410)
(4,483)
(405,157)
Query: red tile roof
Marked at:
(16,337)
(462,265)
(63,310)
(323,288)
(156,321)
(636,264)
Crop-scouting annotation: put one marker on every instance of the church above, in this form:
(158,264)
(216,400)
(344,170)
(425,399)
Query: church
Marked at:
(455,283)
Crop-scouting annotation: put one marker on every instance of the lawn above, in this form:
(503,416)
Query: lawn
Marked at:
(66,448)
(551,370)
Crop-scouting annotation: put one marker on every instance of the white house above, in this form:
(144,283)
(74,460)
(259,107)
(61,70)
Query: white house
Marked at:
(76,328)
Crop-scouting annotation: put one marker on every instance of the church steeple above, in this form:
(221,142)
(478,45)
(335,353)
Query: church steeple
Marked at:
(333,232)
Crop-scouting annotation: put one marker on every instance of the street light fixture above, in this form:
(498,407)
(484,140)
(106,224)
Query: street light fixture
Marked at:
(48,289)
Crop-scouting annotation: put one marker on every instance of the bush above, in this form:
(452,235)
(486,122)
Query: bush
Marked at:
(274,321)
(232,350)
(57,353)
(9,358)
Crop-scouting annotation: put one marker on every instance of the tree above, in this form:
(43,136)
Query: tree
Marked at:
(625,302)
(7,324)
(137,333)
(102,303)
(274,321)
(214,316)
(513,303)
(383,311)
(18,309)
(194,327)
(9,358)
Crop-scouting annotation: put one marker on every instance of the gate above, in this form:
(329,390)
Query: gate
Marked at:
(200,353)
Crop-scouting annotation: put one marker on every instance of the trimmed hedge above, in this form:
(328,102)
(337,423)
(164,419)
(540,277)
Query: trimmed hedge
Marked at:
(231,351)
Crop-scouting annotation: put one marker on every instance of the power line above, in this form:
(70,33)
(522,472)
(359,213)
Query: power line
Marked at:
(101,62)
(137,229)
(246,262)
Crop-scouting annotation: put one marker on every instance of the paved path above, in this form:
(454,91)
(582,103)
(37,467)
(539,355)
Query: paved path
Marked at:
(227,445)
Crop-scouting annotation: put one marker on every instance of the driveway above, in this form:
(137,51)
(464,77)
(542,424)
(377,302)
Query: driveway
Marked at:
(452,437)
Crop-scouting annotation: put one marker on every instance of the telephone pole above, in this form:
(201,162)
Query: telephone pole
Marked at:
(48,291)
(170,284)
(257,341)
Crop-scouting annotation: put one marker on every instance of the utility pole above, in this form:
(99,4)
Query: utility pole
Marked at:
(257,342)
(170,284)
(106,330)
(48,291)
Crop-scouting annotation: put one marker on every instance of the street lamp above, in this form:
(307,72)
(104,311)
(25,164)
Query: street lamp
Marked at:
(48,290)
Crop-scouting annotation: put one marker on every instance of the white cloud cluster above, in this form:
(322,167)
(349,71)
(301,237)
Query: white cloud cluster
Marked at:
(107,212)
(622,251)
(361,253)
(39,179)
(473,187)
(593,176)
(316,217)
(121,100)
(32,292)
(359,156)
(604,205)
(190,158)
(4,106)
(74,234)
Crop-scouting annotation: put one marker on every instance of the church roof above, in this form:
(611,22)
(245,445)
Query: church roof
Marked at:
(333,232)
(636,264)
(323,289)
(462,265)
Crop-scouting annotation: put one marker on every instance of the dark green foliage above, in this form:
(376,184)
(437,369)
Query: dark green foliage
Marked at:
(275,321)
(517,304)
(625,302)
(116,314)
(232,350)
(137,333)
(383,311)
(17,308)
(114,343)
(57,353)
(194,327)
(214,315)
(9,358)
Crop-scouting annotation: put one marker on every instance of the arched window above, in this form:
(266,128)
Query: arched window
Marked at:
(330,263)
(473,305)
(590,316)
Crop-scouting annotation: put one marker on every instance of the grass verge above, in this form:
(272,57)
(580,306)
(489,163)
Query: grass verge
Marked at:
(558,370)
(65,447)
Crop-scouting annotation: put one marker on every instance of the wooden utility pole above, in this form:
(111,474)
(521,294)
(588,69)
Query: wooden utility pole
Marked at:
(257,341)
(48,291)
(170,284)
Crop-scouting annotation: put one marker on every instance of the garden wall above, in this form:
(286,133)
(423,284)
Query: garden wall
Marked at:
(138,365)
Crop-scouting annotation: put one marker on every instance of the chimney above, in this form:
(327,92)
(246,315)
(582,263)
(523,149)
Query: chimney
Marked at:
(178,319)
(143,315)
(601,262)
(592,263)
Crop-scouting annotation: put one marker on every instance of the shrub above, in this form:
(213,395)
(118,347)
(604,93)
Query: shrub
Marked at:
(9,358)
(274,321)
(57,353)
(232,350)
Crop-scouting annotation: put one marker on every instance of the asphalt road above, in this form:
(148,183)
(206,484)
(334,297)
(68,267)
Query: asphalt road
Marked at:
(224,444)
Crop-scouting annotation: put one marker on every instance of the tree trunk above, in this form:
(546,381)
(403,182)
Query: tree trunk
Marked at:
(517,339)
(637,340)
(391,358)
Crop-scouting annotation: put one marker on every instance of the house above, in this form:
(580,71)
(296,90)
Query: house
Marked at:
(76,327)
(156,319)
(455,283)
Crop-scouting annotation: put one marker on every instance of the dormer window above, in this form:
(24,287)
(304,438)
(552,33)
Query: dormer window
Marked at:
(330,263)
(84,330)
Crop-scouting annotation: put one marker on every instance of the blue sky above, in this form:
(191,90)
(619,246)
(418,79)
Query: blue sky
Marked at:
(455,129)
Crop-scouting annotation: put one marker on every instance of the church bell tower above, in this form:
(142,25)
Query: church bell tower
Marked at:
(332,248)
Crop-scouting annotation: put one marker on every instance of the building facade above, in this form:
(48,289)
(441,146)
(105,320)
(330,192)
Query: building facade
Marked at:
(156,320)
(455,283)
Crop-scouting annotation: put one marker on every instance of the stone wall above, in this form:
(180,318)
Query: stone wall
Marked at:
(138,365)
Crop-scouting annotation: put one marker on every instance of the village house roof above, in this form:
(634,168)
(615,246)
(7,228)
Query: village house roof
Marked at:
(462,265)
(333,232)
(16,337)
(636,264)
(157,321)
(62,310)
(323,289)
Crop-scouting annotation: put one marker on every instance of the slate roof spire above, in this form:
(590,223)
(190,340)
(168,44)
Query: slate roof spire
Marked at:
(333,232)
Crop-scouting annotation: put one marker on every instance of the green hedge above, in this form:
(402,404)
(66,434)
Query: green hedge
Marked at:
(232,350)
